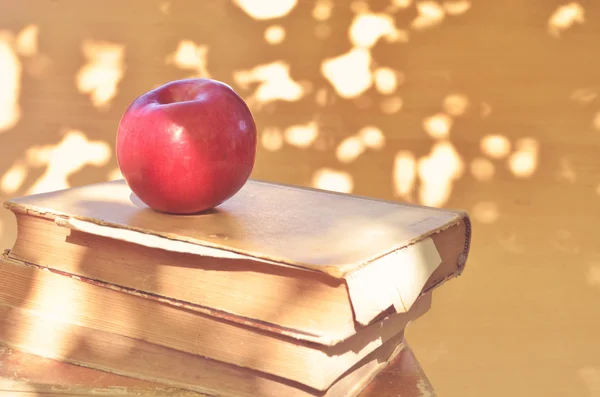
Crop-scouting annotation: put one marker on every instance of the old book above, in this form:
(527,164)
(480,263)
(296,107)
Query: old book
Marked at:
(137,316)
(314,265)
(52,333)
(25,374)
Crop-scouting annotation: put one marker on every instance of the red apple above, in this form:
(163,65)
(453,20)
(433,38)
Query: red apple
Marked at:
(186,146)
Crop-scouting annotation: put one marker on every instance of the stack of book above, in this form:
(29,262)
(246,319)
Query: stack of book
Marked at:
(279,291)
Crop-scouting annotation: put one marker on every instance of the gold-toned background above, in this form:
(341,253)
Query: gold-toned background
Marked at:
(490,106)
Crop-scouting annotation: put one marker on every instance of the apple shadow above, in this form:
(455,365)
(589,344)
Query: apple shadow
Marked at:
(135,200)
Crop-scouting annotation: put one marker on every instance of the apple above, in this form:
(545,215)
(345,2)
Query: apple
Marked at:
(187,146)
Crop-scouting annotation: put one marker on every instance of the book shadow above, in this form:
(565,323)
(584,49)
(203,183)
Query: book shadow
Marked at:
(135,200)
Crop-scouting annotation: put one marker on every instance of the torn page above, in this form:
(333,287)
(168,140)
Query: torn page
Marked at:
(396,279)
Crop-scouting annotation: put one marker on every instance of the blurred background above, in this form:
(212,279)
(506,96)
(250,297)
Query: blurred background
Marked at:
(487,106)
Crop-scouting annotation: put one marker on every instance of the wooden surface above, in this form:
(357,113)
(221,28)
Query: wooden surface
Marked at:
(523,319)
(26,375)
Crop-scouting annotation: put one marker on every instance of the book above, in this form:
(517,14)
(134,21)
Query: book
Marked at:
(49,327)
(25,374)
(313,265)
(76,301)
